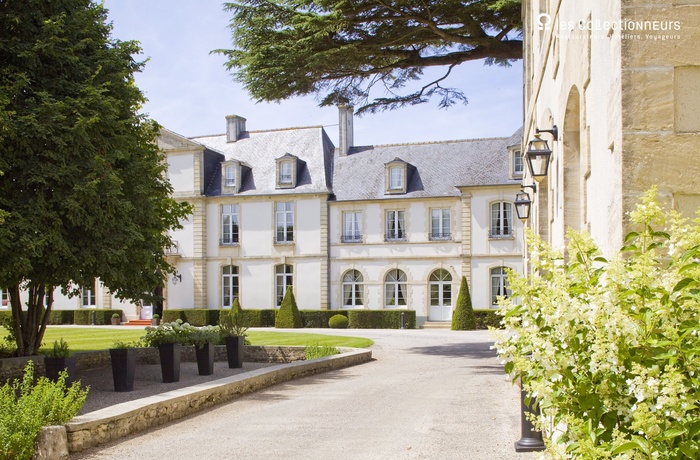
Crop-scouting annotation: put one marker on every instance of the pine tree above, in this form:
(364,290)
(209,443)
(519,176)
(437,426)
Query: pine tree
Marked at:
(463,318)
(288,315)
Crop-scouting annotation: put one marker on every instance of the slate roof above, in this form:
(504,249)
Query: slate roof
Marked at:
(260,149)
(440,167)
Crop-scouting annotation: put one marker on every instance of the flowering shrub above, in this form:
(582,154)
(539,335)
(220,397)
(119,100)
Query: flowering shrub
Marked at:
(610,349)
(165,333)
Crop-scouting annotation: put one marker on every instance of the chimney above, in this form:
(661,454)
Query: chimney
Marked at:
(235,127)
(345,129)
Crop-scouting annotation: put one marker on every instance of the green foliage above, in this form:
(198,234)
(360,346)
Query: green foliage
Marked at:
(318,318)
(60,349)
(102,316)
(83,188)
(200,336)
(116,315)
(338,322)
(487,319)
(463,318)
(119,344)
(316,351)
(232,321)
(611,349)
(165,333)
(288,315)
(25,407)
(194,316)
(381,319)
(260,318)
(341,50)
(57,317)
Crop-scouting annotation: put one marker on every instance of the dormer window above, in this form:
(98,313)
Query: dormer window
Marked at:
(287,170)
(517,163)
(230,177)
(396,176)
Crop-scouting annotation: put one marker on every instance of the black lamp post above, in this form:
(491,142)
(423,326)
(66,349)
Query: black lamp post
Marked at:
(538,155)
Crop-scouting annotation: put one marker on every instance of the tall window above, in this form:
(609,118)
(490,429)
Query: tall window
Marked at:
(501,219)
(395,226)
(352,289)
(440,288)
(88,298)
(229,224)
(395,289)
(4,299)
(395,178)
(352,223)
(439,224)
(499,284)
(285,172)
(283,278)
(230,176)
(285,222)
(229,285)
(518,164)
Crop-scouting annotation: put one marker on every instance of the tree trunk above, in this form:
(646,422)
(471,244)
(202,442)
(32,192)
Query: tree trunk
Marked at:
(29,326)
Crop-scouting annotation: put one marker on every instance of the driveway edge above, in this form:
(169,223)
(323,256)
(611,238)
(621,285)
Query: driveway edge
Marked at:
(115,422)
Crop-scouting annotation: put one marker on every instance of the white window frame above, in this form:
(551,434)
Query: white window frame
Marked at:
(286,172)
(352,289)
(395,289)
(352,227)
(230,224)
(395,225)
(396,174)
(442,279)
(4,299)
(91,298)
(501,219)
(229,285)
(230,180)
(440,222)
(284,276)
(518,163)
(499,284)
(284,222)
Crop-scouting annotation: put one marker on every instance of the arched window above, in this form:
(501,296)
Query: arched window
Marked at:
(229,285)
(395,289)
(283,278)
(352,289)
(440,288)
(501,220)
(499,284)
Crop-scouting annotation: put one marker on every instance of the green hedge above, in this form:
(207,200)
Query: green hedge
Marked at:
(58,317)
(102,317)
(259,318)
(486,318)
(381,319)
(319,318)
(194,316)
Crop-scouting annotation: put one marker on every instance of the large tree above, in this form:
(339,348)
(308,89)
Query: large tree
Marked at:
(83,188)
(342,50)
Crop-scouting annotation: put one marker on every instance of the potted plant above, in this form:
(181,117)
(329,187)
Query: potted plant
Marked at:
(116,319)
(57,360)
(155,320)
(233,328)
(168,338)
(123,356)
(204,339)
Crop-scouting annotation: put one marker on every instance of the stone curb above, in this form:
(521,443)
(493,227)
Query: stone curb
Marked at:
(115,422)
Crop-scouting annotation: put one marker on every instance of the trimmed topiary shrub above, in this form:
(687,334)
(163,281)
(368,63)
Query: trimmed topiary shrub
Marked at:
(463,318)
(487,318)
(338,322)
(288,315)
(381,319)
(318,318)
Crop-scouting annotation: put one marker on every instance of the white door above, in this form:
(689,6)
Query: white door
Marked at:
(146,310)
(440,296)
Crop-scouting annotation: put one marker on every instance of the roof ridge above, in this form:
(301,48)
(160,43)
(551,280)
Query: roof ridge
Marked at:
(258,131)
(452,141)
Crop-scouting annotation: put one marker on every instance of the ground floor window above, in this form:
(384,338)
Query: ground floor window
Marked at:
(283,278)
(440,288)
(499,284)
(88,295)
(395,289)
(352,289)
(229,285)
(4,299)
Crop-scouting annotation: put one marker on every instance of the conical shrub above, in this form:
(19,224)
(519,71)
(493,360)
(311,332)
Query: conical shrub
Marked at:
(288,315)
(463,318)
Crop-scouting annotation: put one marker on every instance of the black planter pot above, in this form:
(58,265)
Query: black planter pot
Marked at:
(170,361)
(234,351)
(205,359)
(54,366)
(123,368)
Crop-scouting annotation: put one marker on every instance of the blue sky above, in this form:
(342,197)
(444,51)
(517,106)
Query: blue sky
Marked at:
(190,92)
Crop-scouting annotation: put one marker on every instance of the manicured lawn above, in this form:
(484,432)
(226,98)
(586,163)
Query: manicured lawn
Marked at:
(100,338)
